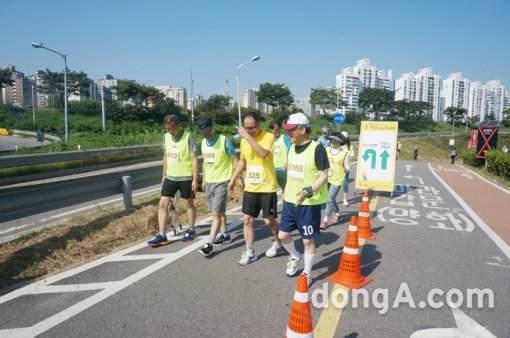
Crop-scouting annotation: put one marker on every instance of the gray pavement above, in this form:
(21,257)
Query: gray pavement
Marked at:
(9,143)
(426,240)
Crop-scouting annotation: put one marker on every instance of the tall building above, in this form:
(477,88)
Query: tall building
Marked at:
(424,86)
(20,93)
(304,104)
(108,84)
(351,81)
(455,92)
(490,99)
(179,95)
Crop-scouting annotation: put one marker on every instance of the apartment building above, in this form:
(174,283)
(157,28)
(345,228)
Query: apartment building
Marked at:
(489,99)
(179,95)
(20,93)
(351,81)
(455,92)
(424,86)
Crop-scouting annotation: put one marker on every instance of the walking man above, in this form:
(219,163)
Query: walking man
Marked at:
(260,190)
(219,160)
(307,174)
(180,173)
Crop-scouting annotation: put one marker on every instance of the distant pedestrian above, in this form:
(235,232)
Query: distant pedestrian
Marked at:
(257,148)
(347,164)
(415,153)
(307,174)
(281,149)
(453,155)
(399,145)
(336,177)
(180,173)
(324,138)
(219,161)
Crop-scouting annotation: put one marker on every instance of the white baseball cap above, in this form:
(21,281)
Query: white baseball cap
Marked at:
(345,134)
(297,119)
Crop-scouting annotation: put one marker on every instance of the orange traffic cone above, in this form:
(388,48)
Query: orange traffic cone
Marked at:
(349,269)
(364,224)
(300,320)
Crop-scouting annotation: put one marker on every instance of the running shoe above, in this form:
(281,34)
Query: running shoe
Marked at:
(247,258)
(158,241)
(336,218)
(324,225)
(222,239)
(292,265)
(308,278)
(273,250)
(189,235)
(206,250)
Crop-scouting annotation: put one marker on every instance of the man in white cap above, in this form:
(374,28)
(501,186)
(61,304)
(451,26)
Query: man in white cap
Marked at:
(306,191)
(324,138)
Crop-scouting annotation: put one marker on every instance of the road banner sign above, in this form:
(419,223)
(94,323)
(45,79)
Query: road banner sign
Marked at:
(377,156)
(487,137)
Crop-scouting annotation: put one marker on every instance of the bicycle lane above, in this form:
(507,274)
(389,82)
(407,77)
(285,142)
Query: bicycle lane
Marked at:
(428,242)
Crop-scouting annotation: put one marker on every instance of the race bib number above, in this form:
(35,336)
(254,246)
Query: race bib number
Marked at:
(255,174)
(209,157)
(173,154)
(296,168)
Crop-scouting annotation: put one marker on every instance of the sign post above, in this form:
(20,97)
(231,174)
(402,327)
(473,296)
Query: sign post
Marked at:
(377,156)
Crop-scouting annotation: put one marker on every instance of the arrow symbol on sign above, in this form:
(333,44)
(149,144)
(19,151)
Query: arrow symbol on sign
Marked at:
(384,159)
(408,167)
(466,327)
(468,176)
(411,177)
(370,153)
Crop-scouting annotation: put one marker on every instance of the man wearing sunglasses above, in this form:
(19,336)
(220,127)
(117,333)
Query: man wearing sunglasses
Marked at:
(259,186)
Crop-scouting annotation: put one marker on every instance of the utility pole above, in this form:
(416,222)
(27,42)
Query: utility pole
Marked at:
(192,101)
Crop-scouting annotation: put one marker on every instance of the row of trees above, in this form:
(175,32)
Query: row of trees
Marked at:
(138,102)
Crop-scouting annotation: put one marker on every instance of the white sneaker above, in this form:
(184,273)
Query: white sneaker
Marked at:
(346,203)
(247,258)
(292,265)
(273,250)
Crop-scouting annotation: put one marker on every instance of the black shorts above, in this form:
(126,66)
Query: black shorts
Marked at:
(253,202)
(169,189)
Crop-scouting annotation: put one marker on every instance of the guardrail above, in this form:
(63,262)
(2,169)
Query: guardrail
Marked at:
(31,198)
(22,160)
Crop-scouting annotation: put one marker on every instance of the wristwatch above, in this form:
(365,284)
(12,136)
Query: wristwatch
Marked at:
(309,192)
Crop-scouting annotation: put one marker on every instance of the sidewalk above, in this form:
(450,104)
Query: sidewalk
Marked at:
(488,200)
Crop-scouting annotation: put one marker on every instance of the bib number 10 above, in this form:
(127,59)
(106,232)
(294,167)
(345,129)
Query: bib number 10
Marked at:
(307,230)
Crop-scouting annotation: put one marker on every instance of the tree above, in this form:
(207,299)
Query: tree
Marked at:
(376,100)
(275,95)
(53,83)
(326,98)
(5,78)
(137,94)
(455,113)
(217,102)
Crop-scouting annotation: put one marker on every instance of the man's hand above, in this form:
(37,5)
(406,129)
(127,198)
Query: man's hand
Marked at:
(300,197)
(230,186)
(243,132)
(194,185)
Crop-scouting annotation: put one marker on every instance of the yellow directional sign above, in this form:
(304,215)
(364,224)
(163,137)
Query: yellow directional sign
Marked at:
(377,156)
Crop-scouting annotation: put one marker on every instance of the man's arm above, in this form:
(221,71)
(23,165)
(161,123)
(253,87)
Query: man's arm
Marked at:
(239,169)
(262,152)
(194,168)
(164,167)
(319,182)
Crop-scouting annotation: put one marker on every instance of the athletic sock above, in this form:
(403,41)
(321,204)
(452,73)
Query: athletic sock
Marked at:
(291,249)
(309,258)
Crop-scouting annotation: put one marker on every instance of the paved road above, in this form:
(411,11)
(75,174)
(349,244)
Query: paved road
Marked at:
(9,143)
(427,239)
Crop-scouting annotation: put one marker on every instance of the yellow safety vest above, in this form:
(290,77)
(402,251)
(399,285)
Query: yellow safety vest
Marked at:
(302,173)
(178,157)
(336,172)
(217,164)
(280,152)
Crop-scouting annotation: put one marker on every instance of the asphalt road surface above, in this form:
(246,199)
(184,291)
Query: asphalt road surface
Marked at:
(431,250)
(9,143)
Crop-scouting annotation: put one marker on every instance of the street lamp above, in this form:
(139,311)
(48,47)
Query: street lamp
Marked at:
(33,105)
(40,45)
(255,58)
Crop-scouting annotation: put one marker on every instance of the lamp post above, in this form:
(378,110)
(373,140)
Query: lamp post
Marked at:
(40,45)
(33,106)
(255,58)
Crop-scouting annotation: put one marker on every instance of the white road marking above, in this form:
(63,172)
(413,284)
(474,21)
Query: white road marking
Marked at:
(419,178)
(466,327)
(408,167)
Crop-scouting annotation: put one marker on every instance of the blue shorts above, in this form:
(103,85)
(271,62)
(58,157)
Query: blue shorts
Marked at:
(305,218)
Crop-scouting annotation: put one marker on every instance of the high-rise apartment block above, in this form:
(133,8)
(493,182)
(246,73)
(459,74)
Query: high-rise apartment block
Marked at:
(351,81)
(455,92)
(20,93)
(179,95)
(424,86)
(488,100)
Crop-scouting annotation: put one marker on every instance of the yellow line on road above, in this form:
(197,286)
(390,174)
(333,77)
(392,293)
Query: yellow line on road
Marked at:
(331,315)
